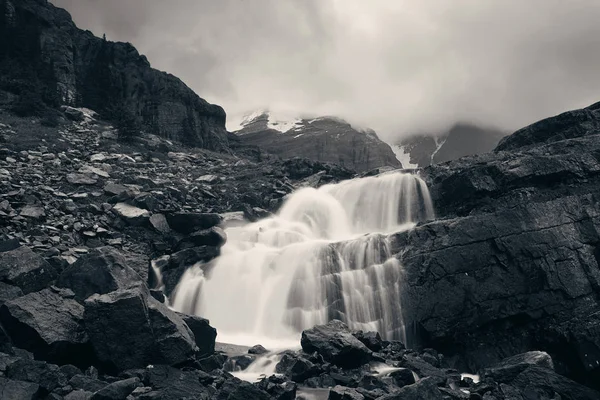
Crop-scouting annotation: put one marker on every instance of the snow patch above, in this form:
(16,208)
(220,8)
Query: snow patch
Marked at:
(439,142)
(403,157)
(297,136)
(282,123)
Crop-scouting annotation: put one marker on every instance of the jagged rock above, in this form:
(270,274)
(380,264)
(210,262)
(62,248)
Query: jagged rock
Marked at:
(180,261)
(423,389)
(87,383)
(123,320)
(130,214)
(34,212)
(81,179)
(296,367)
(18,390)
(79,395)
(73,113)
(510,367)
(175,384)
(115,189)
(49,324)
(159,222)
(214,237)
(89,170)
(9,292)
(344,393)
(336,344)
(204,334)
(47,376)
(189,222)
(239,362)
(278,387)
(117,390)
(27,270)
(543,381)
(102,271)
(370,339)
(236,389)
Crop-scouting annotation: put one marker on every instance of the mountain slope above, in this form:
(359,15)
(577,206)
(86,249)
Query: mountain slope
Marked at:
(45,60)
(462,139)
(325,139)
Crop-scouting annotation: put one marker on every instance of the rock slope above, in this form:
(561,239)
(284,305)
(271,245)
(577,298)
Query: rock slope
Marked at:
(512,264)
(41,50)
(325,139)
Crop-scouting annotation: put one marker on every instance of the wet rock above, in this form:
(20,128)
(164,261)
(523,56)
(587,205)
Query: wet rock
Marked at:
(204,334)
(296,367)
(370,339)
(130,214)
(189,222)
(336,344)
(102,271)
(27,270)
(117,390)
(236,389)
(123,320)
(214,237)
(257,349)
(278,387)
(48,323)
(402,377)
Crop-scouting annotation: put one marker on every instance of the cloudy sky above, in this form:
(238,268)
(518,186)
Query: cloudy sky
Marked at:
(398,66)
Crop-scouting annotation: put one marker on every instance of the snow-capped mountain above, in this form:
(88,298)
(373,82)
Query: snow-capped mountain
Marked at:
(460,140)
(325,139)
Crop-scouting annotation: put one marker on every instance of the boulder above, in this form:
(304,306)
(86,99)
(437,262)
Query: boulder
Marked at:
(101,271)
(236,389)
(132,215)
(130,329)
(81,179)
(296,367)
(510,367)
(174,384)
(541,380)
(188,222)
(117,390)
(370,339)
(257,349)
(48,323)
(204,334)
(73,114)
(35,212)
(423,389)
(336,344)
(343,393)
(278,387)
(47,376)
(214,237)
(18,390)
(27,270)
(159,222)
(9,292)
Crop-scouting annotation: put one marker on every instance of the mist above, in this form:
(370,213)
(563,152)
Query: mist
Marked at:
(396,66)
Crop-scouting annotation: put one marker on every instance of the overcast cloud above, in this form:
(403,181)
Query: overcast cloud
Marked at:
(397,66)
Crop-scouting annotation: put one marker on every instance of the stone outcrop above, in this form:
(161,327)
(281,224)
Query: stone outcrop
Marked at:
(325,139)
(73,67)
(512,262)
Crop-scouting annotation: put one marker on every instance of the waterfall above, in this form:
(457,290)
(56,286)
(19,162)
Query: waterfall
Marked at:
(324,255)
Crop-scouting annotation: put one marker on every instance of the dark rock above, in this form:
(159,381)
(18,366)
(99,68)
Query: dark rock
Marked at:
(278,387)
(49,324)
(239,363)
(70,371)
(370,339)
(543,381)
(344,393)
(9,292)
(18,390)
(73,114)
(158,295)
(336,344)
(213,362)
(79,395)
(47,376)
(510,367)
(204,334)
(402,377)
(81,179)
(159,222)
(175,384)
(102,271)
(423,389)
(257,349)
(27,270)
(117,390)
(124,320)
(8,245)
(236,389)
(568,125)
(179,262)
(214,237)
(296,367)
(189,222)
(35,212)
(86,383)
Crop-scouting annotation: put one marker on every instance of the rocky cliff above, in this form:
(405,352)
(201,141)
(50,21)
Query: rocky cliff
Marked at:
(513,261)
(45,58)
(462,139)
(325,139)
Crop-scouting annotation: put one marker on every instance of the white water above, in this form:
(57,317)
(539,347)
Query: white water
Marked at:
(324,255)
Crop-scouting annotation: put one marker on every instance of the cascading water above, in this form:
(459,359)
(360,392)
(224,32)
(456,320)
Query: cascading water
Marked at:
(324,255)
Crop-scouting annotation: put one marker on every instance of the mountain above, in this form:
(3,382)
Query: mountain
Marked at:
(324,139)
(462,139)
(46,61)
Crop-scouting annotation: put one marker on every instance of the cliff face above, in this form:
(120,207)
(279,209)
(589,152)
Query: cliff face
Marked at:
(42,51)
(323,139)
(513,261)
